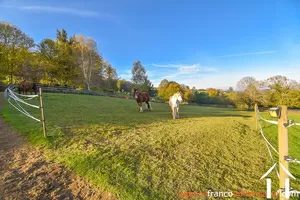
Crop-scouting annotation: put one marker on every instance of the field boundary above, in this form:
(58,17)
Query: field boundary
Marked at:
(73,90)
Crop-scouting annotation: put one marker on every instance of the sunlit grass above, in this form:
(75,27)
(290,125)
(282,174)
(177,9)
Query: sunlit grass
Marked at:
(150,156)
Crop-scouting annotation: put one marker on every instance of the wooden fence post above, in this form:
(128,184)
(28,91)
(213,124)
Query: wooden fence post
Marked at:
(256,116)
(283,147)
(42,112)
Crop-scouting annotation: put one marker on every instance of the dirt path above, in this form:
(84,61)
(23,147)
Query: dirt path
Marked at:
(25,174)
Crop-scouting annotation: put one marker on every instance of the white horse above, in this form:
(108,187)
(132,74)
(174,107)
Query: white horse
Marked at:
(174,103)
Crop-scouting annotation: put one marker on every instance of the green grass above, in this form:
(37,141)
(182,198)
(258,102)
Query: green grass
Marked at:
(150,156)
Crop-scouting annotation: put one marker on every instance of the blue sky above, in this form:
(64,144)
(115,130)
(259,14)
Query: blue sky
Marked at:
(197,43)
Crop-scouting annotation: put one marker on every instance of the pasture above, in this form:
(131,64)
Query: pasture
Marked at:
(150,156)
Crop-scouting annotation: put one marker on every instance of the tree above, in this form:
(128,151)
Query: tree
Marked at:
(48,60)
(48,49)
(236,98)
(125,86)
(245,82)
(110,74)
(88,58)
(15,48)
(202,97)
(147,86)
(138,73)
(172,87)
(250,93)
(230,89)
(163,83)
(66,62)
(212,92)
(279,87)
(140,78)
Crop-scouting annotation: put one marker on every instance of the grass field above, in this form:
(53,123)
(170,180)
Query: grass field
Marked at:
(150,156)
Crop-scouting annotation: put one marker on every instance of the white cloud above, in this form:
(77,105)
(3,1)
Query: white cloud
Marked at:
(224,80)
(73,11)
(62,10)
(186,70)
(245,54)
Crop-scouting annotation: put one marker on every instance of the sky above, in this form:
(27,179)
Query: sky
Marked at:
(197,43)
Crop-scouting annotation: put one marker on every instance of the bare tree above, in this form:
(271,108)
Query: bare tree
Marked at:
(88,57)
(250,91)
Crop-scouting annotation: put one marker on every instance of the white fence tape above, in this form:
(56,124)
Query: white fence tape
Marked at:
(262,133)
(26,114)
(30,96)
(9,95)
(20,100)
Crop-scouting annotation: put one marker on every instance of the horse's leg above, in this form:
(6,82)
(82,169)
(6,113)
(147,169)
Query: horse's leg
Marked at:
(174,113)
(177,110)
(145,105)
(141,108)
(149,106)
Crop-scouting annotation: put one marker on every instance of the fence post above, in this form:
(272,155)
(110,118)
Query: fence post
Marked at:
(283,147)
(42,112)
(255,116)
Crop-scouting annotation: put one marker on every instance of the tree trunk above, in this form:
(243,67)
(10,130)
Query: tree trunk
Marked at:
(88,86)
(249,107)
(11,78)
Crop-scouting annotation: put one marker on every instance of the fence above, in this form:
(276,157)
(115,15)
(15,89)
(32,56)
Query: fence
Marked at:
(18,101)
(283,158)
(73,90)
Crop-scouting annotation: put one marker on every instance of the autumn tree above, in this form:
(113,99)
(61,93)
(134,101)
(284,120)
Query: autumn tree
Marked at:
(250,91)
(170,89)
(15,49)
(280,88)
(66,61)
(163,83)
(111,76)
(58,58)
(88,58)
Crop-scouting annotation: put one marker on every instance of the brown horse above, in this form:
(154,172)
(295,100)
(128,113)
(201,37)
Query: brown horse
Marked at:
(141,97)
(27,87)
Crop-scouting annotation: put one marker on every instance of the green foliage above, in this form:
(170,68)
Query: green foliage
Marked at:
(169,90)
(138,73)
(212,92)
(278,90)
(282,90)
(14,46)
(163,83)
(63,61)
(126,86)
(140,78)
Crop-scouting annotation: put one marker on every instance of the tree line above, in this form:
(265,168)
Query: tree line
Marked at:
(276,90)
(76,61)
(66,60)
